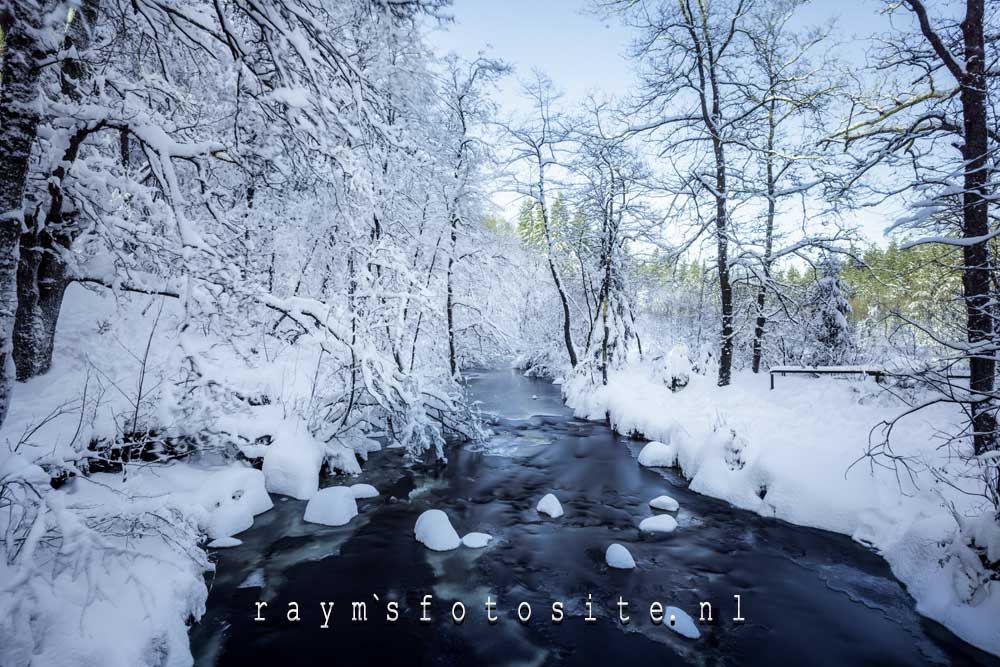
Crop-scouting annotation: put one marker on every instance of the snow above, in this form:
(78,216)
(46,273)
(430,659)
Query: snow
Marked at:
(619,557)
(476,540)
(332,506)
(550,505)
(364,491)
(665,503)
(680,622)
(233,499)
(434,530)
(661,523)
(131,588)
(788,453)
(658,454)
(225,542)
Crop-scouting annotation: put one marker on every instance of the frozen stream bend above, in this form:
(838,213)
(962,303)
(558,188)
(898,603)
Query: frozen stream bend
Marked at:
(808,596)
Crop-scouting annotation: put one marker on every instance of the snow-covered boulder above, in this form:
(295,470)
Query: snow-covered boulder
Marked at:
(364,491)
(550,505)
(665,503)
(661,523)
(619,557)
(658,455)
(476,540)
(332,506)
(679,621)
(434,530)
(291,467)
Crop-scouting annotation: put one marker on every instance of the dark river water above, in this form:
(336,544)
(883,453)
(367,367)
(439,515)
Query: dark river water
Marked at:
(808,597)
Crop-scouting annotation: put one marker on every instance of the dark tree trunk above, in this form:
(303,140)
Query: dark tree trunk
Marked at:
(725,286)
(41,284)
(451,298)
(42,277)
(22,24)
(758,331)
(975,218)
(567,329)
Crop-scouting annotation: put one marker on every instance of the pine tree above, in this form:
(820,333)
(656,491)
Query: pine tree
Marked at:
(828,305)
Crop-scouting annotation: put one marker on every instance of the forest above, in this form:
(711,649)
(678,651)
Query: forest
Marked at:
(260,260)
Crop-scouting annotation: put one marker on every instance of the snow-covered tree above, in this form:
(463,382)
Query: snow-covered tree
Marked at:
(830,334)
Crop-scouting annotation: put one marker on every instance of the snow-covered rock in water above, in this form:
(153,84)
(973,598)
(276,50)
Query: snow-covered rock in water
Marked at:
(332,506)
(232,497)
(224,542)
(619,557)
(678,367)
(364,491)
(661,523)
(550,505)
(434,530)
(665,503)
(228,520)
(291,467)
(658,455)
(679,621)
(476,540)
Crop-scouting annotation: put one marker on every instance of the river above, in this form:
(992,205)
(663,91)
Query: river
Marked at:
(808,597)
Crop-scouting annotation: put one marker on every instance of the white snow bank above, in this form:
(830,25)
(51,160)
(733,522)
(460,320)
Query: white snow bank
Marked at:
(434,530)
(332,506)
(658,454)
(125,593)
(476,540)
(361,491)
(665,503)
(680,622)
(619,557)
(787,453)
(550,505)
(225,542)
(661,523)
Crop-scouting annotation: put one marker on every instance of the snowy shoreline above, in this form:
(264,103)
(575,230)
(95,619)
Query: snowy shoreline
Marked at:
(786,454)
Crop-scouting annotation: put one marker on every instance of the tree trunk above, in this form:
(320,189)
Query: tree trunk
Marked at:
(451,298)
(41,284)
(567,330)
(22,26)
(41,273)
(725,286)
(758,331)
(975,219)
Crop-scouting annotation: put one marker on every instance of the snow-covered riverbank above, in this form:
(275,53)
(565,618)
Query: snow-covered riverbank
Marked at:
(788,453)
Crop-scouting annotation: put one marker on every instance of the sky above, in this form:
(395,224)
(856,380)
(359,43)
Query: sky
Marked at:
(583,52)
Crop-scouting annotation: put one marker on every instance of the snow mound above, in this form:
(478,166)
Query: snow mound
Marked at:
(434,530)
(661,523)
(364,491)
(476,540)
(224,542)
(678,621)
(332,506)
(619,557)
(550,505)
(665,503)
(658,455)
(232,498)
(291,467)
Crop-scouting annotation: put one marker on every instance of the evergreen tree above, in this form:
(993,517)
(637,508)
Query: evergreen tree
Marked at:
(830,332)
